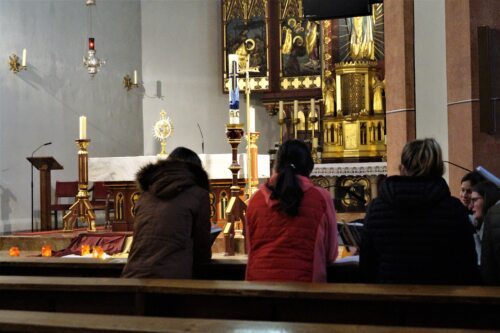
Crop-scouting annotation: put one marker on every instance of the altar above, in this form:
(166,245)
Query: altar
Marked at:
(118,173)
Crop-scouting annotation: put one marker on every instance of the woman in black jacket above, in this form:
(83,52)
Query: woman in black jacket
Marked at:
(415,231)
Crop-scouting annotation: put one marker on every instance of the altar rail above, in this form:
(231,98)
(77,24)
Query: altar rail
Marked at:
(40,322)
(390,305)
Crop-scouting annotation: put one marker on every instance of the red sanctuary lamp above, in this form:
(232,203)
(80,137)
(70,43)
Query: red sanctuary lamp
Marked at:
(91,61)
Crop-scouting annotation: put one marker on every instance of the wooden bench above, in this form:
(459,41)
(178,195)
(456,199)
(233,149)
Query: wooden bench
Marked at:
(389,305)
(40,322)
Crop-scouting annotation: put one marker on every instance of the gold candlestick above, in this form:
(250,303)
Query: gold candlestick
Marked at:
(296,122)
(253,163)
(81,209)
(236,207)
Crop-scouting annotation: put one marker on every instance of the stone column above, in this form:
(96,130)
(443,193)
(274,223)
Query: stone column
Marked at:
(400,78)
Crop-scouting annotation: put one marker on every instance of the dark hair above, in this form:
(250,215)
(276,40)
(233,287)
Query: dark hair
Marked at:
(293,158)
(490,194)
(185,155)
(473,177)
(423,158)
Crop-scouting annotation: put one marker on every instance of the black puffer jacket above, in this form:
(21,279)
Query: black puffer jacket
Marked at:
(490,251)
(172,221)
(415,232)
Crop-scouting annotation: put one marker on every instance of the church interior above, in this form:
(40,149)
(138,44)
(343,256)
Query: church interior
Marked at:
(103,87)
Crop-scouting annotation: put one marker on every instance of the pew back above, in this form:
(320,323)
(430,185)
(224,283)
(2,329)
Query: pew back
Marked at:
(391,305)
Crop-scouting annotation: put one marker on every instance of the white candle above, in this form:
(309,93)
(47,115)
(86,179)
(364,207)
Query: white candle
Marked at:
(313,112)
(251,124)
(23,61)
(135,77)
(281,112)
(295,109)
(315,142)
(83,127)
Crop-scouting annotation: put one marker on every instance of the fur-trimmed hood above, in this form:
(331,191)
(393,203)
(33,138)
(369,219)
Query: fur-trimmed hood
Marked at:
(167,178)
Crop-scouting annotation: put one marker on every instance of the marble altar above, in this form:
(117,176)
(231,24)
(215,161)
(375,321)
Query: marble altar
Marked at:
(125,168)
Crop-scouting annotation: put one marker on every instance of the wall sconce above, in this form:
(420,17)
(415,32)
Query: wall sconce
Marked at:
(128,83)
(14,64)
(92,63)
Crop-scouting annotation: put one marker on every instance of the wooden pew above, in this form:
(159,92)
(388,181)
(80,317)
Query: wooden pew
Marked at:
(389,305)
(41,322)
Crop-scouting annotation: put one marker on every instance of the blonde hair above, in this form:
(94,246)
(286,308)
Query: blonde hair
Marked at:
(422,158)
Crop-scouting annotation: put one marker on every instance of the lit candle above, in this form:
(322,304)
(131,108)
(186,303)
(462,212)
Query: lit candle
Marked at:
(234,93)
(135,77)
(23,61)
(251,124)
(296,109)
(281,112)
(83,128)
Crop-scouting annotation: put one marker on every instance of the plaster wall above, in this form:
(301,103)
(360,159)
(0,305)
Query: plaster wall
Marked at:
(44,102)
(430,73)
(182,49)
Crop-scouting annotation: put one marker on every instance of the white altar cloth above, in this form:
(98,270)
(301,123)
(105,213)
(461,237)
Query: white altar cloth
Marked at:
(125,168)
(350,169)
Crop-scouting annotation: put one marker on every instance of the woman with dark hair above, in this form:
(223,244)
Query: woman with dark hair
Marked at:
(172,218)
(485,198)
(291,230)
(415,231)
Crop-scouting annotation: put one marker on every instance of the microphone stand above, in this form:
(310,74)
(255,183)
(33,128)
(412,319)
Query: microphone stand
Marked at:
(33,153)
(202,140)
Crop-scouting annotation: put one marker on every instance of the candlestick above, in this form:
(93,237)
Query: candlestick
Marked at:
(83,128)
(234,93)
(23,62)
(135,77)
(82,208)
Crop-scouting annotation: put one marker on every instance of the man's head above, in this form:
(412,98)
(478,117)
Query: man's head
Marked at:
(466,184)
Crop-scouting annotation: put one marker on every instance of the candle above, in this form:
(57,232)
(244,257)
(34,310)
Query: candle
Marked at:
(315,142)
(83,128)
(296,109)
(281,112)
(135,77)
(251,124)
(313,111)
(23,61)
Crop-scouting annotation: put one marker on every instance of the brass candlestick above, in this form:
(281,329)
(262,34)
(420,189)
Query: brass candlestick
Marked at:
(296,122)
(235,207)
(253,165)
(81,209)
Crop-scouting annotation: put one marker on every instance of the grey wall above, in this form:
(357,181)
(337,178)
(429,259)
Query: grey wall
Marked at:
(430,72)
(43,103)
(181,47)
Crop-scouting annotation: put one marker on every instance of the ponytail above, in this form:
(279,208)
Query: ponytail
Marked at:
(294,158)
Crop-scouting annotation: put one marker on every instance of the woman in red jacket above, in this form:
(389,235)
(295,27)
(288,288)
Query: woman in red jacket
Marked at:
(291,228)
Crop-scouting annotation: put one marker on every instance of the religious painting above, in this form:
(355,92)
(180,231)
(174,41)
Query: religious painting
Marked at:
(300,48)
(245,25)
(362,38)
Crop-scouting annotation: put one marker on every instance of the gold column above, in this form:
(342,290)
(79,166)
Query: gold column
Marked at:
(82,209)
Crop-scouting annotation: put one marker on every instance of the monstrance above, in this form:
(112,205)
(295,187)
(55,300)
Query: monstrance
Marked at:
(162,130)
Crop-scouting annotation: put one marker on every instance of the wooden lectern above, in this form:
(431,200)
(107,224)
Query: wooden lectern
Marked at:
(45,164)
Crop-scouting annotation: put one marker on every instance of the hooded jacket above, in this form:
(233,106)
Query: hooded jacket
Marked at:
(284,248)
(172,221)
(415,232)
